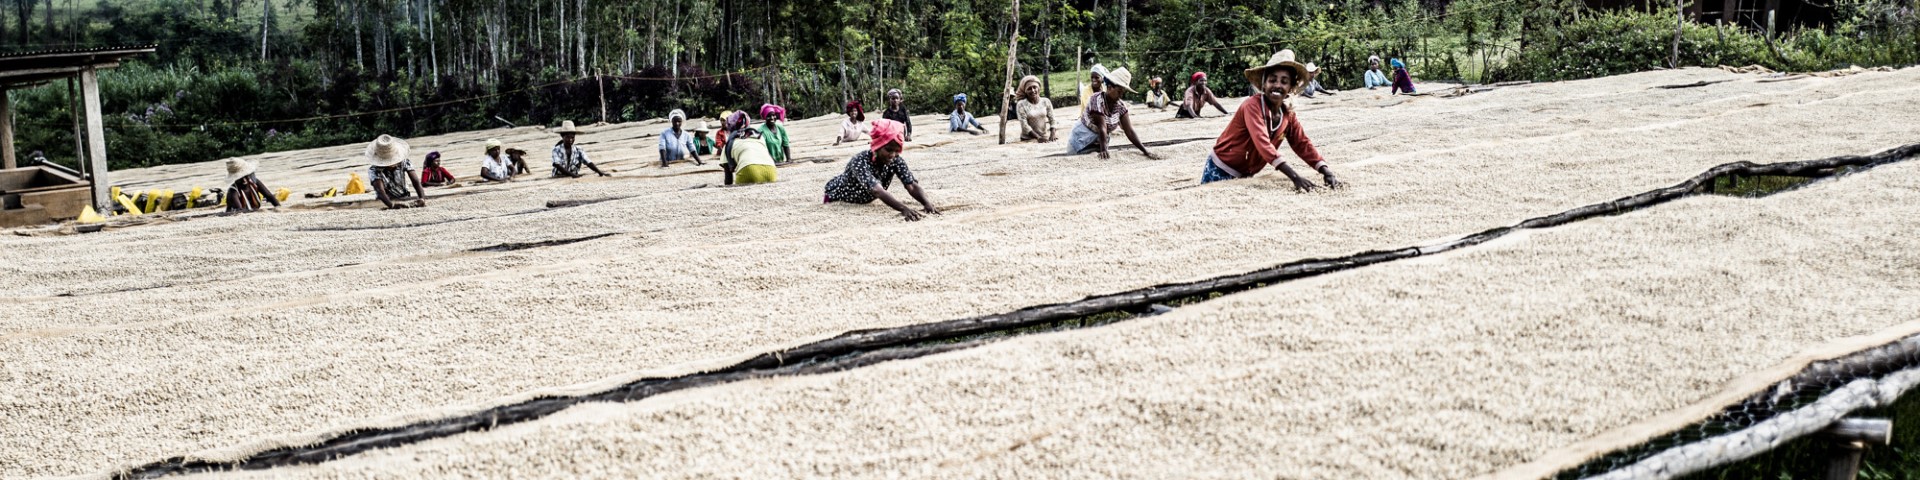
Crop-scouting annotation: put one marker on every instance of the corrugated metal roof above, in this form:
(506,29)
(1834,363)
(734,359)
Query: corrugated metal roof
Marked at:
(78,51)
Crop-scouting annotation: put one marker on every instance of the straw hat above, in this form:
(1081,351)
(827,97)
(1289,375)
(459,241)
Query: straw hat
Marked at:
(1283,59)
(703,128)
(1120,77)
(493,143)
(566,127)
(237,168)
(387,151)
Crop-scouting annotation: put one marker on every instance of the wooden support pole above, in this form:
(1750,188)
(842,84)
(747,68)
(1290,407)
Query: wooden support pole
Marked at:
(597,78)
(7,158)
(96,139)
(1851,437)
(1679,20)
(1013,48)
(79,128)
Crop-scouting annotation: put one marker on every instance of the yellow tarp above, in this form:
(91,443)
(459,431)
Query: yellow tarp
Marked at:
(87,215)
(355,186)
(126,201)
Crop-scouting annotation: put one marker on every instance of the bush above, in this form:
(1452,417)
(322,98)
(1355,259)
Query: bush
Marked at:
(1615,43)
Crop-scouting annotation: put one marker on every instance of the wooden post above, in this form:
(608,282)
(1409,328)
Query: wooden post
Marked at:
(79,129)
(7,160)
(96,138)
(602,81)
(1851,437)
(1679,20)
(1013,46)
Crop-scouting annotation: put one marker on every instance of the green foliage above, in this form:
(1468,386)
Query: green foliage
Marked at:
(1613,43)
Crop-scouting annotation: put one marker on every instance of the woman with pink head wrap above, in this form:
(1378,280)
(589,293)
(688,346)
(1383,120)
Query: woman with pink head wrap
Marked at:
(870,172)
(774,133)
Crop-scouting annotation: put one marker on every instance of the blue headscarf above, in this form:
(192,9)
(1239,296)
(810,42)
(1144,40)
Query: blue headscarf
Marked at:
(1397,64)
(959,98)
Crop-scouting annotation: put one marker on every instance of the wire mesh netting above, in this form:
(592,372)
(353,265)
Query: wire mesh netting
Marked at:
(1802,390)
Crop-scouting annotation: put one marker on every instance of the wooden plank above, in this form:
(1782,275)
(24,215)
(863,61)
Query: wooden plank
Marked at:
(1872,430)
(7,158)
(96,137)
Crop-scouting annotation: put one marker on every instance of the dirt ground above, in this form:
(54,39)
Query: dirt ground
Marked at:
(217,336)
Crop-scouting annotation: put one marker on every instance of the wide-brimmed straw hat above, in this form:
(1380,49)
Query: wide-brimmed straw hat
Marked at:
(1122,78)
(237,168)
(703,128)
(567,127)
(387,151)
(1282,59)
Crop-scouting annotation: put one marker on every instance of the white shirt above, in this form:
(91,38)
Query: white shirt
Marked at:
(851,132)
(496,166)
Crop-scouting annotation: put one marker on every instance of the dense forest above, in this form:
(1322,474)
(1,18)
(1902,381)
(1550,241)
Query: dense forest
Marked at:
(235,77)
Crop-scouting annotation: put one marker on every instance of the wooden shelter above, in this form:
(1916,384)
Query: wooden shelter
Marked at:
(1752,15)
(38,193)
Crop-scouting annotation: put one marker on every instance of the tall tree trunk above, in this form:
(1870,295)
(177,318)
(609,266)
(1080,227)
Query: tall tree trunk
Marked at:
(1013,49)
(580,38)
(1679,20)
(266,14)
(359,52)
(25,8)
(1046,49)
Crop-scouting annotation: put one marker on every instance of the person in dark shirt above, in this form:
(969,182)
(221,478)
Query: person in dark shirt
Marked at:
(897,111)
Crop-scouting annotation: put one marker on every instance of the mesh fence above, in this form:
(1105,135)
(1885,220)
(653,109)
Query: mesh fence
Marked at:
(1821,386)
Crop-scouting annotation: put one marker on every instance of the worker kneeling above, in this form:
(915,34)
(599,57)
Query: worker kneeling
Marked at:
(747,160)
(1250,142)
(870,172)
(392,172)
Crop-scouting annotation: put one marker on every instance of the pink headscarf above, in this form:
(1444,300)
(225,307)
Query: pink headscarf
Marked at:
(885,132)
(736,121)
(769,111)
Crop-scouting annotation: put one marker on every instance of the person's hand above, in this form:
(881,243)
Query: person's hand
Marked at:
(910,215)
(421,203)
(1302,185)
(931,210)
(1334,183)
(1152,156)
(1105,156)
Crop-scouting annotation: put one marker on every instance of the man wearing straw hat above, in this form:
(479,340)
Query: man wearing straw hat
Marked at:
(494,166)
(703,141)
(244,190)
(568,158)
(676,143)
(391,171)
(1251,141)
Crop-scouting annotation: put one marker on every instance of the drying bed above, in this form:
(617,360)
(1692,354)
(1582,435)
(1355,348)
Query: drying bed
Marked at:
(1536,352)
(218,337)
